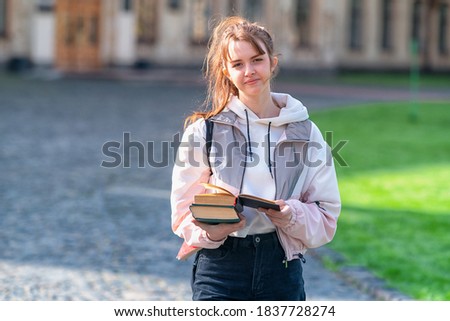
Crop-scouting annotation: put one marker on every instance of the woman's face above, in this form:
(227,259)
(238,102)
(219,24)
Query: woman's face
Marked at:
(249,70)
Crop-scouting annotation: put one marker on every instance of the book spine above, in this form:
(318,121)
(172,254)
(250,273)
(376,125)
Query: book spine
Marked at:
(238,205)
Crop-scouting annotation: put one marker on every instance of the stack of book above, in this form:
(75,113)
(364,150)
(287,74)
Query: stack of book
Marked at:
(223,206)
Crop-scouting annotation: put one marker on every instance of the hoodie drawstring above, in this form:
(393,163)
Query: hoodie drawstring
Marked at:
(248,136)
(268,150)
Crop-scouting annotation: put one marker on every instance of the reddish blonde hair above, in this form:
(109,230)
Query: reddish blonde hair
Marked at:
(219,87)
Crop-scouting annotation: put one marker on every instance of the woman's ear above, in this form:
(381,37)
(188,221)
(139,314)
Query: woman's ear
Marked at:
(274,64)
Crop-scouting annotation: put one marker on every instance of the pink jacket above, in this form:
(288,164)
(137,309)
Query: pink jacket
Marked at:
(309,188)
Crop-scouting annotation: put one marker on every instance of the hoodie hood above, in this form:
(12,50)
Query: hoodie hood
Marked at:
(292,110)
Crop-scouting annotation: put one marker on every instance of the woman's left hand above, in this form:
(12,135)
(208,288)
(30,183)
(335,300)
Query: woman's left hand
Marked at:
(280,218)
(218,232)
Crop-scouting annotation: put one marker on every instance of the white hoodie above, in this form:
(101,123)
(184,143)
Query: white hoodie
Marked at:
(258,179)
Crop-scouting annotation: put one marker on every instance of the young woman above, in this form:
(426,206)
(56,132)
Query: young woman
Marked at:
(263,144)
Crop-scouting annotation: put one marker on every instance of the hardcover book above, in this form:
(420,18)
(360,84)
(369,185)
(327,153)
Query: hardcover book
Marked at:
(223,206)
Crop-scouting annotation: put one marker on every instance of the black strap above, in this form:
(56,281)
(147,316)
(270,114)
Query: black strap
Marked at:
(209,136)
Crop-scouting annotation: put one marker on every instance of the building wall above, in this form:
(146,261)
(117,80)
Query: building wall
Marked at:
(176,32)
(371,55)
(5,30)
(20,24)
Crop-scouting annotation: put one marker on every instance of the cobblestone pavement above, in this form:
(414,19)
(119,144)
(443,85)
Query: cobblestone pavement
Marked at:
(73,230)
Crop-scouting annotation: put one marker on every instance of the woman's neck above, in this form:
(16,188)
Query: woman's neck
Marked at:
(262,105)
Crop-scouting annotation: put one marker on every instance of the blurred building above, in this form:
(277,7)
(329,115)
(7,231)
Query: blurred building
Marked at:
(83,35)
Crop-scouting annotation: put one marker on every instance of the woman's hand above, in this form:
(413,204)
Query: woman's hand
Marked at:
(280,218)
(217,232)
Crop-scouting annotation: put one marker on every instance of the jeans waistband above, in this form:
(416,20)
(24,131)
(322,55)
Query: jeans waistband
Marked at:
(252,240)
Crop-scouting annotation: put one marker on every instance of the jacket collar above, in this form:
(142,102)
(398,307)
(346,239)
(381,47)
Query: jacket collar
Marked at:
(299,130)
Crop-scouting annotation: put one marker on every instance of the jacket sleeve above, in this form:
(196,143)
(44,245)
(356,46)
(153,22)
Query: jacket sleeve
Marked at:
(190,169)
(315,214)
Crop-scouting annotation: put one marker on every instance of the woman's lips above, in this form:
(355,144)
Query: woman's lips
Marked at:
(251,81)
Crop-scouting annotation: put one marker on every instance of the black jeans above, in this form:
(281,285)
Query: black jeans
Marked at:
(247,269)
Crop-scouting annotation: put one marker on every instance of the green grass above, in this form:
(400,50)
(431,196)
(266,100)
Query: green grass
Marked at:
(395,193)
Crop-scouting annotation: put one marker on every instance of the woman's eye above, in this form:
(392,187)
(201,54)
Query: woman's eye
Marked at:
(237,65)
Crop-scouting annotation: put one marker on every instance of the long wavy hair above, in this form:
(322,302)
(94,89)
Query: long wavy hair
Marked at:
(219,87)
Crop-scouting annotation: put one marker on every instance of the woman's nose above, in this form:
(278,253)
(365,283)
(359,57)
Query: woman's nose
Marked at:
(249,70)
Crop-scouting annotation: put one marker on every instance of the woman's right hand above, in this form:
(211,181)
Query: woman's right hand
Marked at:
(218,232)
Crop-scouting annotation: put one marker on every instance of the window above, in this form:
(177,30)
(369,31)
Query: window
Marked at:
(93,30)
(146,21)
(443,28)
(232,7)
(415,23)
(201,12)
(253,9)
(127,5)
(45,5)
(303,23)
(356,25)
(3,18)
(386,25)
(174,4)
